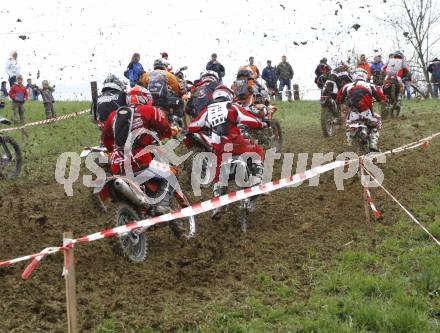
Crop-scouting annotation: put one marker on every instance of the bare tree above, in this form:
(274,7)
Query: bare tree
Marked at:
(418,21)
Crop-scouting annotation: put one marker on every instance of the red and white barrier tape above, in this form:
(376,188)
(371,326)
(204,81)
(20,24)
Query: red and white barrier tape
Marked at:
(45,121)
(192,210)
(202,207)
(403,208)
(376,213)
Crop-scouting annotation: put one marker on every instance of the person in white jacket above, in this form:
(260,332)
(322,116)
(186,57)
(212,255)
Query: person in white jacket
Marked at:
(12,68)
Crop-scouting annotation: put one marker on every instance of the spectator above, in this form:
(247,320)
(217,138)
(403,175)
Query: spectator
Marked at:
(363,63)
(270,77)
(19,96)
(12,68)
(164,56)
(255,70)
(134,70)
(377,64)
(214,65)
(434,69)
(376,70)
(47,95)
(285,74)
(3,89)
(33,90)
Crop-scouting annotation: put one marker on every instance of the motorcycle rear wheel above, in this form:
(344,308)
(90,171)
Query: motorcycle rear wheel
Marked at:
(133,244)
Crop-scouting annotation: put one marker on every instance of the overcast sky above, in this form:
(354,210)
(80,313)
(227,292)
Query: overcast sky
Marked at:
(73,42)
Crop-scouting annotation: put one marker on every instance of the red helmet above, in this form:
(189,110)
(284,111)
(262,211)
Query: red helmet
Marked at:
(223,93)
(139,95)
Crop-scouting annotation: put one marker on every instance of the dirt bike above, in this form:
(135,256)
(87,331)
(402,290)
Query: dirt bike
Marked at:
(134,203)
(228,171)
(330,116)
(331,113)
(391,89)
(11,160)
(270,136)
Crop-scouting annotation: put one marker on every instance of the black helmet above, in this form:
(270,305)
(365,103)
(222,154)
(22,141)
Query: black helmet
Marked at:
(160,64)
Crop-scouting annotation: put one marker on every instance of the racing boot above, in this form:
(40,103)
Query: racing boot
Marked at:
(374,140)
(218,191)
(163,207)
(256,179)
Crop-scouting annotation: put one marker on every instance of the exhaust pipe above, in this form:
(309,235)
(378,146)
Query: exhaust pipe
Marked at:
(125,189)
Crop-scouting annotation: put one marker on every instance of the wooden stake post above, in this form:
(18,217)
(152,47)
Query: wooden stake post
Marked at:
(70,279)
(94,92)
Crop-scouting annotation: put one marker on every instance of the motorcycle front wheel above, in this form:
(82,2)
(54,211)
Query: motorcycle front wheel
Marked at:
(133,244)
(11,160)
(328,122)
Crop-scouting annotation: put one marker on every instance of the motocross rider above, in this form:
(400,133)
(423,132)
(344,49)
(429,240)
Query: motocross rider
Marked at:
(140,114)
(201,93)
(336,80)
(322,72)
(359,97)
(245,87)
(163,85)
(224,118)
(396,66)
(112,97)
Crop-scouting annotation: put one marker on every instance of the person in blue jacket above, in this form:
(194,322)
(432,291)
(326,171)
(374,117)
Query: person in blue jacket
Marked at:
(270,77)
(434,69)
(376,70)
(134,70)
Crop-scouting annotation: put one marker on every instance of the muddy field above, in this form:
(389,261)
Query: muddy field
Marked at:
(178,281)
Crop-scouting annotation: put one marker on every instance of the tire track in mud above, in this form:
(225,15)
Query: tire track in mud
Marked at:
(178,281)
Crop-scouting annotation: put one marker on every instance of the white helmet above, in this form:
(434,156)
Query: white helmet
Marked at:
(112,82)
(209,76)
(223,93)
(360,74)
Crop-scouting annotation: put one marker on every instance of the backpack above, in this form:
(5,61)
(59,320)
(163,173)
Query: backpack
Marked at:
(242,89)
(359,98)
(203,96)
(157,85)
(122,125)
